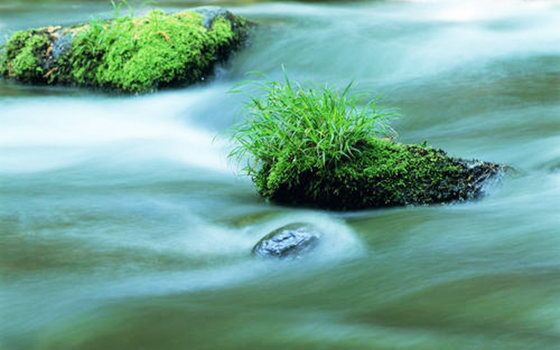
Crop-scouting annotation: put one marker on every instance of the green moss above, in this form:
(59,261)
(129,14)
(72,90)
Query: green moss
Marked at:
(318,148)
(127,54)
(383,174)
(23,55)
(141,54)
(26,65)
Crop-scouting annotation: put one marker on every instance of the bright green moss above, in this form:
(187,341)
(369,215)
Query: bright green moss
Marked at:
(323,148)
(23,54)
(15,44)
(10,50)
(151,52)
(26,64)
(141,54)
(128,54)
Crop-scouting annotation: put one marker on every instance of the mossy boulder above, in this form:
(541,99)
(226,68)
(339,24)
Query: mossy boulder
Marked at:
(323,147)
(383,174)
(126,54)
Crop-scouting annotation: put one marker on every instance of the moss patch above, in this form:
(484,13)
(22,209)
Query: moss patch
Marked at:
(24,55)
(125,54)
(384,174)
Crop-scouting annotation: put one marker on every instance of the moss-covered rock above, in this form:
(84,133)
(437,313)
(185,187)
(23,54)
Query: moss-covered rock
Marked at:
(126,54)
(382,174)
(323,147)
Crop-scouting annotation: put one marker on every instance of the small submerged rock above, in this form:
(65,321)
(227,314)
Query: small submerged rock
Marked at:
(289,241)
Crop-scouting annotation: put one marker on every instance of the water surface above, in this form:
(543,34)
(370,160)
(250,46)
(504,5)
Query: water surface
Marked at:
(123,225)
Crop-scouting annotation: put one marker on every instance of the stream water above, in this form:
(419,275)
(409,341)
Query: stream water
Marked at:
(124,226)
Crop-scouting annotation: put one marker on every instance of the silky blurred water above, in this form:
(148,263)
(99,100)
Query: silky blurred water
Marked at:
(124,226)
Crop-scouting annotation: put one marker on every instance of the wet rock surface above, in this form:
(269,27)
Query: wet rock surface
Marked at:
(479,175)
(290,241)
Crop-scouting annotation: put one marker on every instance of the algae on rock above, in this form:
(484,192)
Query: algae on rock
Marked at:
(125,54)
(323,148)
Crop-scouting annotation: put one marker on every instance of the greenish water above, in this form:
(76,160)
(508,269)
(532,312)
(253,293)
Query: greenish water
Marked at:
(122,225)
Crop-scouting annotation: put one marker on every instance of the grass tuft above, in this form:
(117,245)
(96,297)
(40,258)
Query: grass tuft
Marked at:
(307,127)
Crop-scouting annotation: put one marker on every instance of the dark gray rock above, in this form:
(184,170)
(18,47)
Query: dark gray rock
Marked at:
(62,45)
(210,13)
(289,241)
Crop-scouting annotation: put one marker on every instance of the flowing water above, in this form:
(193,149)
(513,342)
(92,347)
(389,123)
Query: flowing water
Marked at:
(124,226)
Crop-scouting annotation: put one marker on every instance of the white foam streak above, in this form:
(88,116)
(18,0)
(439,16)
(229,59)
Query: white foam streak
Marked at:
(50,133)
(338,242)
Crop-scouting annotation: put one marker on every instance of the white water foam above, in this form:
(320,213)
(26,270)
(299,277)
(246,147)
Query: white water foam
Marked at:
(49,133)
(384,34)
(338,243)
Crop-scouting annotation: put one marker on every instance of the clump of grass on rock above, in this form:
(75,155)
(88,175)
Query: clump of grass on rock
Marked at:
(326,148)
(129,54)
